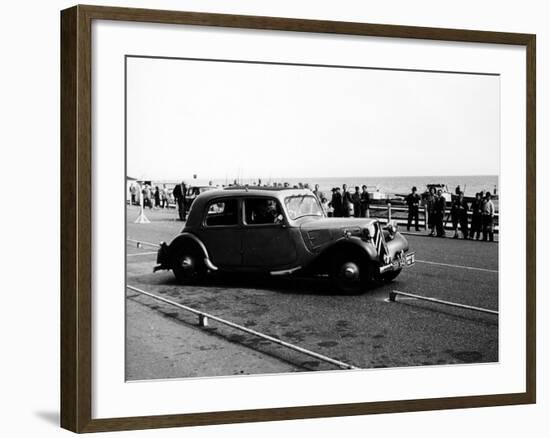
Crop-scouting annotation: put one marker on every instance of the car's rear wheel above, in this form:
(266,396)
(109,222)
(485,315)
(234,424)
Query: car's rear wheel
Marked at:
(351,274)
(188,265)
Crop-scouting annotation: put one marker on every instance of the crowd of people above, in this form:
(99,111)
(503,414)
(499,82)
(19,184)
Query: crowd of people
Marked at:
(346,203)
(152,197)
(482,208)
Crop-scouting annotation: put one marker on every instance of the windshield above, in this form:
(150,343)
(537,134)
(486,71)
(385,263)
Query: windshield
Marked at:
(302,205)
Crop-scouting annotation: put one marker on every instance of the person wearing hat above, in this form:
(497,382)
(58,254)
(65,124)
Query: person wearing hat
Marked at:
(459,215)
(413,202)
(180,193)
(477,217)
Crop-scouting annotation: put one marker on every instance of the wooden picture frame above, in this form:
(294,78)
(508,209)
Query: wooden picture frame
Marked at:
(76,218)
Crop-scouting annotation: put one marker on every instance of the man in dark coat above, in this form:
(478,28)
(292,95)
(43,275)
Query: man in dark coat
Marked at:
(180,192)
(336,202)
(413,202)
(439,213)
(365,202)
(459,215)
(477,218)
(347,202)
(356,199)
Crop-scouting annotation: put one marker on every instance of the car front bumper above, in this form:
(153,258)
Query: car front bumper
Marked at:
(401,260)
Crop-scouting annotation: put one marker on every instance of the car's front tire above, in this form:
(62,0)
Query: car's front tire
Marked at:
(388,277)
(351,274)
(188,265)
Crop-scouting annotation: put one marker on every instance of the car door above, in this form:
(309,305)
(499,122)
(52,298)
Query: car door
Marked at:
(221,232)
(267,240)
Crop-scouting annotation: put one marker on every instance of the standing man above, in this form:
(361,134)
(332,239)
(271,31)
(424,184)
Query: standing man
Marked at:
(133,193)
(488,214)
(439,213)
(164,196)
(430,207)
(356,199)
(413,202)
(180,191)
(318,193)
(346,201)
(365,202)
(337,202)
(146,193)
(459,215)
(157,197)
(477,219)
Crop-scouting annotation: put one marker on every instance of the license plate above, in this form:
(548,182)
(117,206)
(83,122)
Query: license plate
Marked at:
(409,259)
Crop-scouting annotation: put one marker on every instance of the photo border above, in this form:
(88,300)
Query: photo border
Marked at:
(76,217)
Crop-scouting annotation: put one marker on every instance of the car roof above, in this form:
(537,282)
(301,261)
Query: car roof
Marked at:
(200,202)
(238,191)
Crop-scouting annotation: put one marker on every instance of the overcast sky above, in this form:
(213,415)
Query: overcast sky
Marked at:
(229,120)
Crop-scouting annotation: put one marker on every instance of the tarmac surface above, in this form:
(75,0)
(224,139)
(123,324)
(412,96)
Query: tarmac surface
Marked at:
(367,330)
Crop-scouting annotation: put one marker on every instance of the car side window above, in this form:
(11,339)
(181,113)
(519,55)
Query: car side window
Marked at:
(261,211)
(222,213)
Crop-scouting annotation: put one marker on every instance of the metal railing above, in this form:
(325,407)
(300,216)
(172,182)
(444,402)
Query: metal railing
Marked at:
(205,317)
(399,213)
(395,293)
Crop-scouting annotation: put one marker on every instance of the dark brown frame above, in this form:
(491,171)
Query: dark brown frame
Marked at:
(76,174)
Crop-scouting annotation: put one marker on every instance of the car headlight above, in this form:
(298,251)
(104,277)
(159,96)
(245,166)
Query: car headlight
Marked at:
(368,232)
(392,227)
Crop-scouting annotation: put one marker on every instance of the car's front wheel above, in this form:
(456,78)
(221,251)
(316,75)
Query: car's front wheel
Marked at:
(351,275)
(188,265)
(388,277)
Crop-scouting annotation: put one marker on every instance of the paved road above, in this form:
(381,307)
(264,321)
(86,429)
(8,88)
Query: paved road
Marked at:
(366,330)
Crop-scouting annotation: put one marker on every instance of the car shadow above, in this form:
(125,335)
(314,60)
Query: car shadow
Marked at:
(285,285)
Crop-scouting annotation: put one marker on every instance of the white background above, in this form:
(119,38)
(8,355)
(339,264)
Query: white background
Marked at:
(30,170)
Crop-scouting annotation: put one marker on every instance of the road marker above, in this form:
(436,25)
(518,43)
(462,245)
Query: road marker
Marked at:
(139,243)
(395,293)
(203,322)
(457,266)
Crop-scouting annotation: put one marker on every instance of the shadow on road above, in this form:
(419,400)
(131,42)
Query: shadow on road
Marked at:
(286,285)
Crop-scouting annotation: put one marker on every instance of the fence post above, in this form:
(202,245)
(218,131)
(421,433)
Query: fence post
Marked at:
(389,212)
(203,320)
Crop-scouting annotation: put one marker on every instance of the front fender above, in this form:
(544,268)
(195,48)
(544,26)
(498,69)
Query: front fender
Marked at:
(396,245)
(351,245)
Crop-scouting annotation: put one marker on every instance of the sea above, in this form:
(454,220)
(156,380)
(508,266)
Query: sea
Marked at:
(390,185)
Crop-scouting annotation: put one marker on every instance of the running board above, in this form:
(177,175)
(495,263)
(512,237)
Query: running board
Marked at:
(286,271)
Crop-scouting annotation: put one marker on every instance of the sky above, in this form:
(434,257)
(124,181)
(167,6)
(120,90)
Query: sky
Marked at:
(224,120)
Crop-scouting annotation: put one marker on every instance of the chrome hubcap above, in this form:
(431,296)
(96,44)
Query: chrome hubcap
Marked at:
(350,271)
(187,263)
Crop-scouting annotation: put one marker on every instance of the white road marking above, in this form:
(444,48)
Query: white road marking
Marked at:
(457,266)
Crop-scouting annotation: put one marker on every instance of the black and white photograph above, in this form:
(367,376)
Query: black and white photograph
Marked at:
(286,217)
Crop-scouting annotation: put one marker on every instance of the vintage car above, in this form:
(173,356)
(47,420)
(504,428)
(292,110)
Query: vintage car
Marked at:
(279,231)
